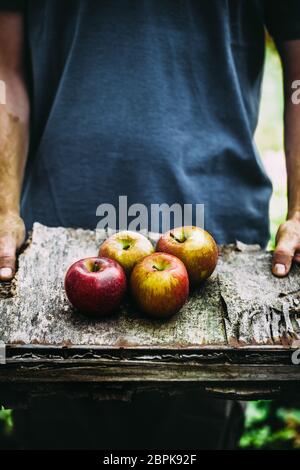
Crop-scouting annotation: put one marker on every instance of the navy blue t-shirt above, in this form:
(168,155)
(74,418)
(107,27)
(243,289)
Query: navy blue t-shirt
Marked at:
(153,99)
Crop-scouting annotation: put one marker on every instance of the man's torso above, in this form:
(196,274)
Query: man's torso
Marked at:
(156,101)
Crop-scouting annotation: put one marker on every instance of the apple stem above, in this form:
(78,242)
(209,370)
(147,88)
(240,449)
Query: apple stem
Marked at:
(157,268)
(182,240)
(96,267)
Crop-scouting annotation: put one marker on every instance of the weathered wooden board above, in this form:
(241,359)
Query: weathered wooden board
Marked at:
(39,312)
(259,308)
(241,305)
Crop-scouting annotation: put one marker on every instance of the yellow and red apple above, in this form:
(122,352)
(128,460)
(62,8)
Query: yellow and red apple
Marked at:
(195,247)
(160,285)
(127,248)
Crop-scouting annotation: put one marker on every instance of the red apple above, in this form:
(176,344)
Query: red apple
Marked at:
(195,247)
(95,286)
(160,285)
(127,248)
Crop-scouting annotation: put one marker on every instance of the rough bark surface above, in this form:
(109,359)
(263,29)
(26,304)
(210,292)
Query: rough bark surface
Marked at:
(241,305)
(259,308)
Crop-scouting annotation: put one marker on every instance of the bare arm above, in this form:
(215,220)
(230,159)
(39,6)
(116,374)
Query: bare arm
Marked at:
(288,236)
(14,136)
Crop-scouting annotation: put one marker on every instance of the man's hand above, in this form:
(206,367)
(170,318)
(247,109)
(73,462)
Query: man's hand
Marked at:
(12,234)
(14,138)
(288,235)
(287,247)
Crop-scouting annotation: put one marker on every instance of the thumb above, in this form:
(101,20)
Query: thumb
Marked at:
(8,248)
(283,255)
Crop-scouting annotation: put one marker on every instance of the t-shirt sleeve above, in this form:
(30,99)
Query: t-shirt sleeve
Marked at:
(282,19)
(12,5)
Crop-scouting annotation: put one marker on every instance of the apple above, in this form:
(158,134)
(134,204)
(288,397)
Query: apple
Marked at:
(195,247)
(127,248)
(160,285)
(95,286)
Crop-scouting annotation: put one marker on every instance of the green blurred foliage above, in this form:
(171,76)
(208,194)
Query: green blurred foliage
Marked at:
(270,426)
(6,422)
(269,134)
(269,137)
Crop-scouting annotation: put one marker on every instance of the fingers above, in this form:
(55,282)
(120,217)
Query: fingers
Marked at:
(8,247)
(297,256)
(287,247)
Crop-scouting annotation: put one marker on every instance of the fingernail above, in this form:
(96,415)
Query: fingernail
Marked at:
(6,273)
(279,269)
